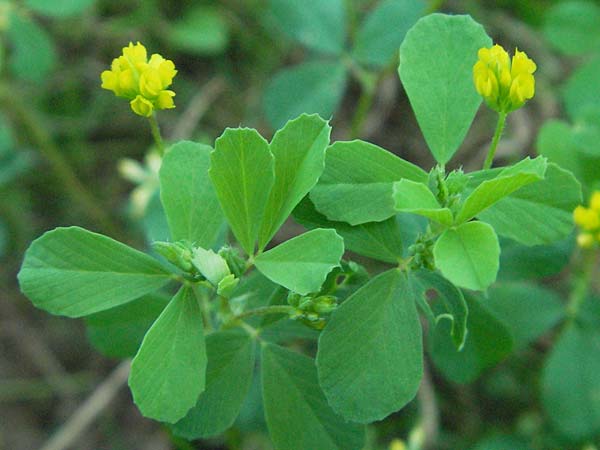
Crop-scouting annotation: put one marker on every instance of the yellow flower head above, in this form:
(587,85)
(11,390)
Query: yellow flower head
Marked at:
(504,84)
(144,82)
(588,219)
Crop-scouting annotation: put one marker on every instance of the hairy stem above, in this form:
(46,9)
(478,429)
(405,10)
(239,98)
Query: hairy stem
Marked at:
(492,151)
(156,134)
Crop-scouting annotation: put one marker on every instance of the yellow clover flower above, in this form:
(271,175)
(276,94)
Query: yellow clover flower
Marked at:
(588,219)
(144,82)
(504,84)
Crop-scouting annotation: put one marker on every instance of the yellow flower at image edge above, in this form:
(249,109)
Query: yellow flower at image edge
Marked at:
(505,84)
(588,219)
(144,82)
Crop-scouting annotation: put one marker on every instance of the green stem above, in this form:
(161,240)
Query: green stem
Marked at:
(64,173)
(581,283)
(265,310)
(156,134)
(204,307)
(492,151)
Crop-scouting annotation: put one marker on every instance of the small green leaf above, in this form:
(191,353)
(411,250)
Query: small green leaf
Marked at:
(527,310)
(383,30)
(203,30)
(572,27)
(370,353)
(34,54)
(310,87)
(118,332)
(508,181)
(540,213)
(302,263)
(188,196)
(242,173)
(74,272)
(436,69)
(468,255)
(570,383)
(416,198)
(211,265)
(377,240)
(299,152)
(297,413)
(488,343)
(319,25)
(357,183)
(168,372)
(449,304)
(228,377)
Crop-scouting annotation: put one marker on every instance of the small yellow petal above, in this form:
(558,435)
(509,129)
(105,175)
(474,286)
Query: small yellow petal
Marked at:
(150,83)
(165,100)
(141,106)
(110,81)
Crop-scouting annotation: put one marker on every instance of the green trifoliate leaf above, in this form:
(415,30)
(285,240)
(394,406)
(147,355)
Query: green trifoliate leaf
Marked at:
(539,213)
(416,198)
(508,181)
(383,30)
(570,382)
(297,413)
(317,24)
(449,303)
(188,196)
(242,173)
(168,372)
(370,353)
(74,272)
(302,263)
(377,240)
(468,255)
(357,184)
(488,342)
(228,376)
(299,152)
(310,87)
(118,332)
(436,69)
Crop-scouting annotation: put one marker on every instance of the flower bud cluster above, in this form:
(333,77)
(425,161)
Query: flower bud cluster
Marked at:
(140,80)
(505,84)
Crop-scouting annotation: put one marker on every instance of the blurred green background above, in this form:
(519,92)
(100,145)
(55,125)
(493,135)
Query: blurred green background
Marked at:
(73,154)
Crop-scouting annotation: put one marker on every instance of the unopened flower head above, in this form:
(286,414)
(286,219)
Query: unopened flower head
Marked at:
(144,82)
(505,84)
(588,220)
